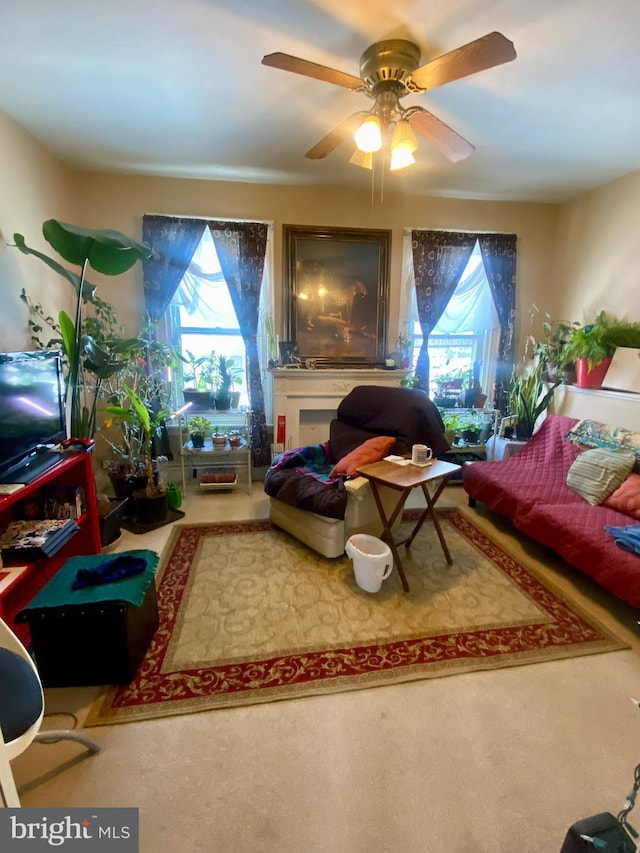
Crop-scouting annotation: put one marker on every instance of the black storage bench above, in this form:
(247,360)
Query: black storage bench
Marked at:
(97,634)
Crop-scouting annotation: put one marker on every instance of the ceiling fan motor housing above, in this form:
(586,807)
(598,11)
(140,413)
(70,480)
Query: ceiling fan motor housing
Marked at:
(388,65)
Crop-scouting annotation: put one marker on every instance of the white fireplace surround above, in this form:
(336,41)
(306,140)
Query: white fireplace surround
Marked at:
(309,399)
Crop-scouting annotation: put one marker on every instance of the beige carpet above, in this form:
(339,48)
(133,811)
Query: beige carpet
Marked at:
(250,615)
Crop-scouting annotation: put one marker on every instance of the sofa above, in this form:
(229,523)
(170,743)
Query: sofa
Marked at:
(553,489)
(313,491)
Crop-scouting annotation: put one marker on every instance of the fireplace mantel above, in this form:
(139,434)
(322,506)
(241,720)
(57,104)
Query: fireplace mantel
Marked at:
(308,399)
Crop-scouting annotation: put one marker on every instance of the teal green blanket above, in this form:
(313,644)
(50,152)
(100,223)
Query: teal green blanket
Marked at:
(58,592)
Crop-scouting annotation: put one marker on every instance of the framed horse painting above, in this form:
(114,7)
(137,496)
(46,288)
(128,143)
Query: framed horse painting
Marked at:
(335,285)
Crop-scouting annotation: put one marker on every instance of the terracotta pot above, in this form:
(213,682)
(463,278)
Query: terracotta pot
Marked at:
(593,378)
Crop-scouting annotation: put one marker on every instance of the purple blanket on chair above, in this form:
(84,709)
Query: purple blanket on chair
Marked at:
(300,477)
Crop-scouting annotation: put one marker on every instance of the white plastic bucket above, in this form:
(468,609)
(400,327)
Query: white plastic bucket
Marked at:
(372,560)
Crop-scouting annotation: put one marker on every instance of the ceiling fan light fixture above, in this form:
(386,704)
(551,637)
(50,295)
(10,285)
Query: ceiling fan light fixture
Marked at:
(368,137)
(401,157)
(364,159)
(404,137)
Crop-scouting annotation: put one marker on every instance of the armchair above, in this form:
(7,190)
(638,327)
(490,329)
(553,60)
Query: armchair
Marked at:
(324,515)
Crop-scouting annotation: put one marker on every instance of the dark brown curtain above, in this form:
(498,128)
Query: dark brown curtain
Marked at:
(174,239)
(499,257)
(241,248)
(439,259)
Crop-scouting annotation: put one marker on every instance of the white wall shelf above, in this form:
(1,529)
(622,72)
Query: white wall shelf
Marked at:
(621,408)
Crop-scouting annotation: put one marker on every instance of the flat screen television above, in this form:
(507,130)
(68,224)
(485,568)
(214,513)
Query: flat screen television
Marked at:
(31,413)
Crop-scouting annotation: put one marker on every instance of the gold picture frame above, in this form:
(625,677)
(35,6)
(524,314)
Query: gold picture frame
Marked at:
(336,290)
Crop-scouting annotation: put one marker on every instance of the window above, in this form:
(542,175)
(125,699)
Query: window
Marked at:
(464,343)
(201,315)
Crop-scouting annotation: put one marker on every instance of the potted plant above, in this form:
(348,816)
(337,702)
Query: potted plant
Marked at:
(452,424)
(149,364)
(199,429)
(151,501)
(107,252)
(404,347)
(198,373)
(591,346)
(224,373)
(219,437)
(552,348)
(235,438)
(411,381)
(529,396)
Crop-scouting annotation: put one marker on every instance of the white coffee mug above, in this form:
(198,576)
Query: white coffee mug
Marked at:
(421,454)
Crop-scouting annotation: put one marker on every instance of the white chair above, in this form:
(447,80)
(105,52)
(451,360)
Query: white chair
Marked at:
(22,711)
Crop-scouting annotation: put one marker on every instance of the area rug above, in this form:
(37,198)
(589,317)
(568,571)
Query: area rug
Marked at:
(249,615)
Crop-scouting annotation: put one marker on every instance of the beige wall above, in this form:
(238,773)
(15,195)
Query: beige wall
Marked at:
(119,201)
(566,263)
(35,187)
(598,241)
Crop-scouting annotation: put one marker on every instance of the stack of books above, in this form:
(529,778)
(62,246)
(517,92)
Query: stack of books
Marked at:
(33,540)
(65,502)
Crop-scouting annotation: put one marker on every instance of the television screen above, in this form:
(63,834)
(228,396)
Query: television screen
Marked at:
(31,404)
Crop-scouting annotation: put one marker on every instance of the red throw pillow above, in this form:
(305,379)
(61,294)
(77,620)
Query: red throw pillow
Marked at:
(626,497)
(372,450)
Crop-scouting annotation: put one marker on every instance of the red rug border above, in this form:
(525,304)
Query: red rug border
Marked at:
(564,627)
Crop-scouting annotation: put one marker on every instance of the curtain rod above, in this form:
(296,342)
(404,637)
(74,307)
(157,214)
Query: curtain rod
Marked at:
(408,230)
(209,218)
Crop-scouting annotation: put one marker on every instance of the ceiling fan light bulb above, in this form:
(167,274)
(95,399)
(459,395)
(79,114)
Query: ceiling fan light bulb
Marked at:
(403,136)
(364,159)
(401,157)
(368,136)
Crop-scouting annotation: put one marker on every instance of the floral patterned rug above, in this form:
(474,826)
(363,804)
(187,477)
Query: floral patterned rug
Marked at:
(248,615)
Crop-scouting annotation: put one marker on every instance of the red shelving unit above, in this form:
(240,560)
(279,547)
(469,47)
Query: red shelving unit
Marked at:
(75,469)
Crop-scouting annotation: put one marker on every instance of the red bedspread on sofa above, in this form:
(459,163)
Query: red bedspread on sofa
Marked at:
(530,489)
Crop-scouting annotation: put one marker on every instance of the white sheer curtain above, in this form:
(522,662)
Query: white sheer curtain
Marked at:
(199,293)
(470,309)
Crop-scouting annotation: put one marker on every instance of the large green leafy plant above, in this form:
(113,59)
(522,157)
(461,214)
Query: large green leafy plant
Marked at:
(147,423)
(110,253)
(597,340)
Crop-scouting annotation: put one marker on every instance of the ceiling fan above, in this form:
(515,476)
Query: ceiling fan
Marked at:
(389,71)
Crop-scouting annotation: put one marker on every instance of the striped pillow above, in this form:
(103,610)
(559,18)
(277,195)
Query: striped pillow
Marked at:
(597,473)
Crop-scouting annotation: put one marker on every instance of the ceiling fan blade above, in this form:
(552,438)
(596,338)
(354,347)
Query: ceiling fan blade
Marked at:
(485,52)
(451,144)
(311,69)
(336,137)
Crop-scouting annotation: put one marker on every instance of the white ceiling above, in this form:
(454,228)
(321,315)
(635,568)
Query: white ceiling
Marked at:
(177,88)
